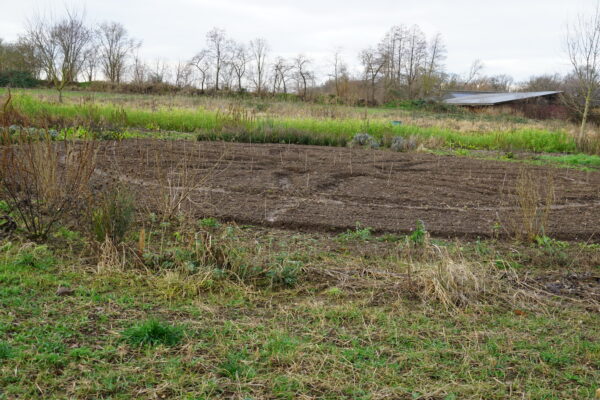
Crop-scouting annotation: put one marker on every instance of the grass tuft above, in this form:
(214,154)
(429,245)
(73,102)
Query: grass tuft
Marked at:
(153,333)
(34,256)
(6,351)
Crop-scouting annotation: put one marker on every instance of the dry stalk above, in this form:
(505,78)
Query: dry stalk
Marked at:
(527,210)
(110,258)
(177,181)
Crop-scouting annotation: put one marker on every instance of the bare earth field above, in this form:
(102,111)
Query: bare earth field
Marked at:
(333,189)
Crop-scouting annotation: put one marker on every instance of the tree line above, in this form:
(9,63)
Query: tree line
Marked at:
(405,64)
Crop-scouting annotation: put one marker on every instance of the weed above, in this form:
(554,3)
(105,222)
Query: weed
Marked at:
(359,233)
(283,273)
(209,223)
(153,333)
(113,217)
(419,235)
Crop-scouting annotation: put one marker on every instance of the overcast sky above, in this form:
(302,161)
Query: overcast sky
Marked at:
(515,37)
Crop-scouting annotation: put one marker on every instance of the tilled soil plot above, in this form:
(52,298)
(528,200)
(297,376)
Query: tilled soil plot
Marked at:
(333,189)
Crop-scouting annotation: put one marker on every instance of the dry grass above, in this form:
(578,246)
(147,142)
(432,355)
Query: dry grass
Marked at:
(535,197)
(455,284)
(527,208)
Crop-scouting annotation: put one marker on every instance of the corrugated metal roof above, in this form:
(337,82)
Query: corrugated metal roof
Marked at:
(463,93)
(490,99)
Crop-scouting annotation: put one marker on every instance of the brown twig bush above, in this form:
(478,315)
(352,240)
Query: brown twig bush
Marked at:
(42,180)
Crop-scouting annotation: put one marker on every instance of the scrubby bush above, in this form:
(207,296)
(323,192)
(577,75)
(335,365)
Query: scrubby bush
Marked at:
(42,181)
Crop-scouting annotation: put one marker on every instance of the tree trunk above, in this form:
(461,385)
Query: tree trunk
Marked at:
(584,117)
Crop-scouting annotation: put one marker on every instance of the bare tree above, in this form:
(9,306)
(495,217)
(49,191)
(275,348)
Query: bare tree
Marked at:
(373,64)
(583,47)
(474,72)
(499,83)
(90,63)
(303,75)
(281,74)
(392,50)
(183,74)
(60,46)
(259,49)
(219,48)
(412,64)
(415,59)
(434,69)
(239,62)
(542,83)
(159,73)
(339,73)
(115,47)
(201,62)
(139,70)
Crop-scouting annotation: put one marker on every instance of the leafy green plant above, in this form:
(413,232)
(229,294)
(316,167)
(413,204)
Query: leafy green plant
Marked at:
(284,273)
(209,223)
(153,333)
(418,236)
(359,233)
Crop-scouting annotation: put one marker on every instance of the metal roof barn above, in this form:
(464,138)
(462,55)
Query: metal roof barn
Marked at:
(491,99)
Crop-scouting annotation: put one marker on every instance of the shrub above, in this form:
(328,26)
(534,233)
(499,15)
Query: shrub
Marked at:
(113,217)
(42,181)
(152,333)
(13,78)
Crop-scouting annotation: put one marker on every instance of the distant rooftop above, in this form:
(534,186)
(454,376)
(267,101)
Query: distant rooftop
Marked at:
(490,98)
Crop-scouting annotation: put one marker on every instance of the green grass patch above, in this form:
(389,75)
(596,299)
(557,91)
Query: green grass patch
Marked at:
(333,335)
(153,333)
(571,160)
(213,125)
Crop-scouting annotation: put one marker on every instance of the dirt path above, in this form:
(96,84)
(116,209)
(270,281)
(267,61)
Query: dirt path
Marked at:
(324,188)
